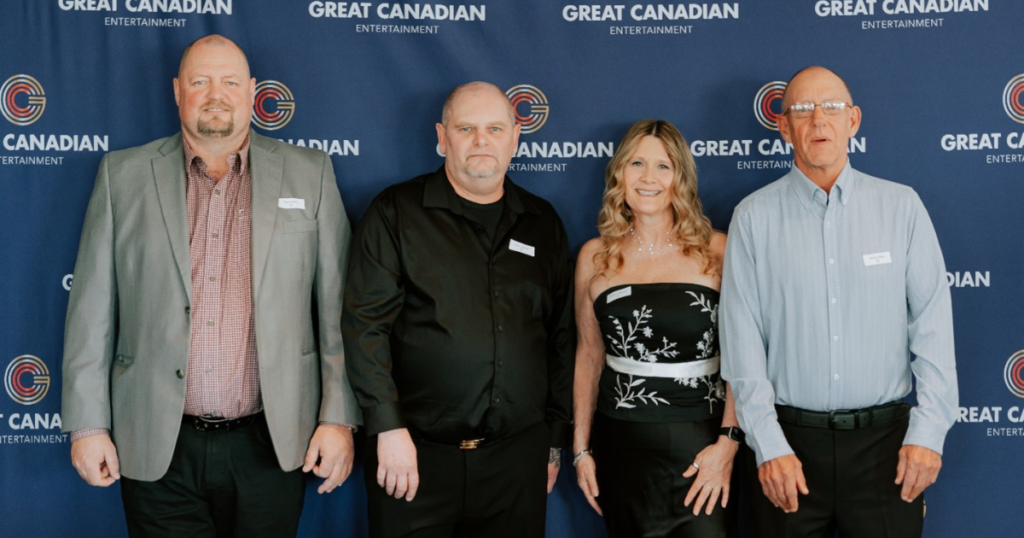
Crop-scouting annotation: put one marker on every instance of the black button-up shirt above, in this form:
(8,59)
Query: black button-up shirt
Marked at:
(451,334)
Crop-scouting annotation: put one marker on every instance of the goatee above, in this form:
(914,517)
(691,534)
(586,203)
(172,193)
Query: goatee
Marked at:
(223,132)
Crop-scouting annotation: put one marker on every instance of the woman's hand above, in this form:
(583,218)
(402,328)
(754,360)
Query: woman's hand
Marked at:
(586,477)
(713,467)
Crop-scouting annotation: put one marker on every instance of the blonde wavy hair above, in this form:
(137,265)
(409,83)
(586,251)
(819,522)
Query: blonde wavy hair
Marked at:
(691,231)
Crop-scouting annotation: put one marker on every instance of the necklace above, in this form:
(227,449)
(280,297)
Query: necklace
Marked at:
(651,249)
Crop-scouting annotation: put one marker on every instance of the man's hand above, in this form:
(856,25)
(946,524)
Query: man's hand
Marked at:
(781,479)
(332,445)
(918,468)
(95,459)
(396,468)
(554,464)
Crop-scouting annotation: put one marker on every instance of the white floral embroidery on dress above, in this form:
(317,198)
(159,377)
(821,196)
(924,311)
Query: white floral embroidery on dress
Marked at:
(629,391)
(706,349)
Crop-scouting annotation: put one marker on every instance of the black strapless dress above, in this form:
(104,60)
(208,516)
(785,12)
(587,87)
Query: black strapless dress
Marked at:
(660,402)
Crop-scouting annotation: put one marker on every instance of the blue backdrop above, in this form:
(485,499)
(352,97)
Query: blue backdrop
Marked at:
(939,83)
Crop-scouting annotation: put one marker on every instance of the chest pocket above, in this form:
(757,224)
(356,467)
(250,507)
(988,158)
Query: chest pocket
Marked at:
(300,226)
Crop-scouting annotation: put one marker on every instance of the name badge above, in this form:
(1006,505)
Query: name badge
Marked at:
(624,292)
(878,258)
(291,203)
(521,248)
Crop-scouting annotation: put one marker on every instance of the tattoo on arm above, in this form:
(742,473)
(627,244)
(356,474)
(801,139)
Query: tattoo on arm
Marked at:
(555,456)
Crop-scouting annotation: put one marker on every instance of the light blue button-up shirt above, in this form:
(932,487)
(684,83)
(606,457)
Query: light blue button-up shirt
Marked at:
(831,301)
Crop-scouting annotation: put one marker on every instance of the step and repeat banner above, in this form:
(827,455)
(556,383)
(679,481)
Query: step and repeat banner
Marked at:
(940,83)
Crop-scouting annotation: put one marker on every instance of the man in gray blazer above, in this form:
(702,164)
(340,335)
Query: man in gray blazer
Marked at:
(203,362)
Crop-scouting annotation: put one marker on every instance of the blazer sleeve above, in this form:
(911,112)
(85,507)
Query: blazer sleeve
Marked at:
(91,323)
(338,404)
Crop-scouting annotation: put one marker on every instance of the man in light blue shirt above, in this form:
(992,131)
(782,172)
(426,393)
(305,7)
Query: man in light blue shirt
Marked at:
(834,296)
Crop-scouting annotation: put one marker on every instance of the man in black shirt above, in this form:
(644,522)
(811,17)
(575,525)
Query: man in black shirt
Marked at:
(459,337)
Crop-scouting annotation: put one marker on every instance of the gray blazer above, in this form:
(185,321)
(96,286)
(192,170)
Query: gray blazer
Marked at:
(127,336)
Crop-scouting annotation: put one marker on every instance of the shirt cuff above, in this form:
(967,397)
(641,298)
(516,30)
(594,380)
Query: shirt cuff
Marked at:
(382,418)
(769,443)
(349,426)
(924,433)
(559,434)
(78,434)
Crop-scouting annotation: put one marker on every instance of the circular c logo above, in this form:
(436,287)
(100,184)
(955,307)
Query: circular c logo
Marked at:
(1012,98)
(764,104)
(27,379)
(11,101)
(1013,374)
(537,107)
(273,106)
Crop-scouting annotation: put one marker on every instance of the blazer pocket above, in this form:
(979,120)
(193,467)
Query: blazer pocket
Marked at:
(299,226)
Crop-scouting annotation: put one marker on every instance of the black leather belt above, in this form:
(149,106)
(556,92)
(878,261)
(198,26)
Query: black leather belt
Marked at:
(843,419)
(216,424)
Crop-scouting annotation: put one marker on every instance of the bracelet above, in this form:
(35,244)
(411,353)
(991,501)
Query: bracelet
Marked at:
(576,459)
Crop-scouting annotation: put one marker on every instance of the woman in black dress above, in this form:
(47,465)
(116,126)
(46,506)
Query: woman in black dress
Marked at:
(656,457)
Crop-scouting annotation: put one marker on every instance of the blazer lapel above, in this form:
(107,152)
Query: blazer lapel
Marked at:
(267,175)
(169,176)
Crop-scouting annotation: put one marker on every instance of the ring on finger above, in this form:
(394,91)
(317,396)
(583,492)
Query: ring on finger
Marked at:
(695,466)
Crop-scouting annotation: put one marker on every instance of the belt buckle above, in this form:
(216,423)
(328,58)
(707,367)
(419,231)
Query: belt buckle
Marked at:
(470,444)
(842,421)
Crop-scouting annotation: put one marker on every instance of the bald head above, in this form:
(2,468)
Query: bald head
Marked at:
(214,92)
(475,88)
(820,140)
(212,41)
(813,74)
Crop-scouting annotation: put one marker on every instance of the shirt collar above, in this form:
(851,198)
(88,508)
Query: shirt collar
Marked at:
(807,190)
(438,192)
(238,160)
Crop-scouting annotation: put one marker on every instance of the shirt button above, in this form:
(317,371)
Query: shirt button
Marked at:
(497,400)
(214,279)
(828,224)
(208,369)
(833,300)
(215,235)
(835,376)
(501,363)
(500,328)
(216,191)
(495,293)
(835,338)
(209,324)
(180,374)
(830,260)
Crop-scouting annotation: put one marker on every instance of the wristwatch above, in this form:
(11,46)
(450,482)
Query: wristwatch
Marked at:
(734,433)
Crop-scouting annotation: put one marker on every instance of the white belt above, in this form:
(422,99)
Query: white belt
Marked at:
(657,369)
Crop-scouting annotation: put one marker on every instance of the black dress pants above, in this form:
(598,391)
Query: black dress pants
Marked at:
(850,475)
(493,491)
(220,484)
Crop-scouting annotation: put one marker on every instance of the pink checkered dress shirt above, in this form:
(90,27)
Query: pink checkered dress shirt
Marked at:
(223,371)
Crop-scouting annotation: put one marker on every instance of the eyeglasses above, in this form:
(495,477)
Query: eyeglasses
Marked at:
(806,109)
